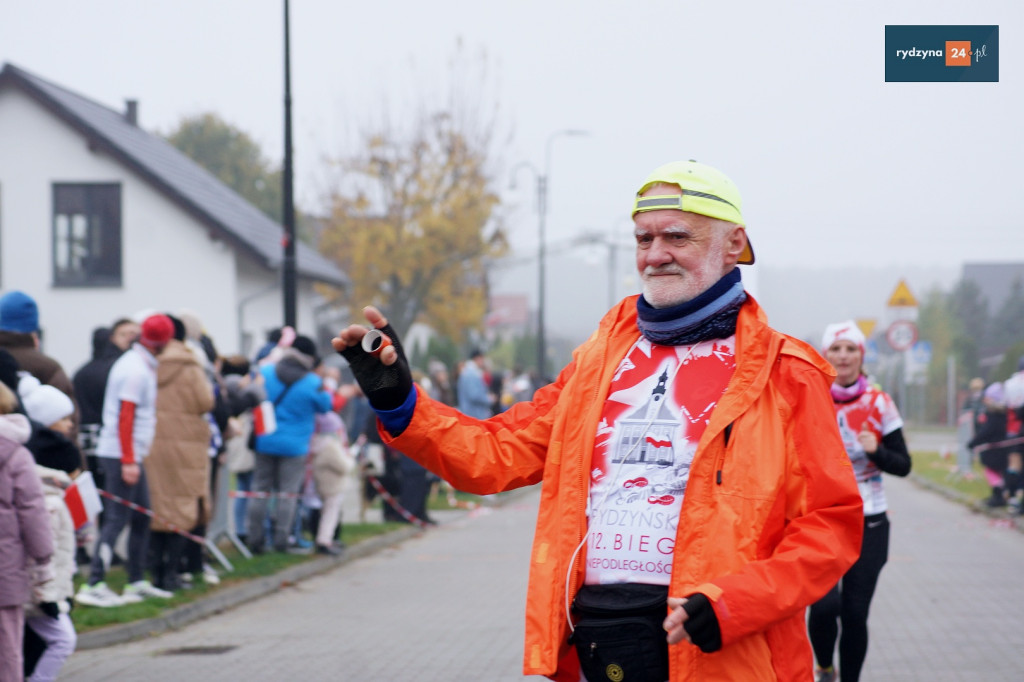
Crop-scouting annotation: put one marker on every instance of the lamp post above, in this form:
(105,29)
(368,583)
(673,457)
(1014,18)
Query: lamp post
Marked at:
(542,210)
(609,240)
(288,210)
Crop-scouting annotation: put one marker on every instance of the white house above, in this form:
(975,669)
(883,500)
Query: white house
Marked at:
(100,219)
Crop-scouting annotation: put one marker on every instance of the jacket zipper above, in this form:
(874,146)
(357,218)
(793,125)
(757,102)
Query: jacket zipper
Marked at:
(720,464)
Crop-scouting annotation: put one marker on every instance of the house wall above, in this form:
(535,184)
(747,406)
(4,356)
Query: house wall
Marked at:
(260,307)
(170,261)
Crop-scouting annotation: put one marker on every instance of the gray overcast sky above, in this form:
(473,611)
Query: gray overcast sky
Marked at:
(835,165)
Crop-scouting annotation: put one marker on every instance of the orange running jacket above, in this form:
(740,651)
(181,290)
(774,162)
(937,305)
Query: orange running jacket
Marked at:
(769,523)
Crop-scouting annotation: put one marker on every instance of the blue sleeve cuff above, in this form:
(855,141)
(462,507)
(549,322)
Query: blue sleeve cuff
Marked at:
(396,420)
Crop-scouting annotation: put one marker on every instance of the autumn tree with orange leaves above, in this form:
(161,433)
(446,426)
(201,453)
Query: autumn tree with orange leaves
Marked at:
(414,221)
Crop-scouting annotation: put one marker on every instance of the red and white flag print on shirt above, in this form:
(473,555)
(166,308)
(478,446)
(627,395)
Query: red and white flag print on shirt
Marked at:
(652,421)
(875,411)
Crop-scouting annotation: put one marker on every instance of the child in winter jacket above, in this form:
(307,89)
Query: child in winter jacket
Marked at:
(26,544)
(331,464)
(57,458)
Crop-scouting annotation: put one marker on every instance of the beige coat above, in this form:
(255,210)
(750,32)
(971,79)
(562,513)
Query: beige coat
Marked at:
(178,465)
(331,464)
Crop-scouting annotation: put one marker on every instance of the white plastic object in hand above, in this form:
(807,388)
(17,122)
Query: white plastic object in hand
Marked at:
(375,341)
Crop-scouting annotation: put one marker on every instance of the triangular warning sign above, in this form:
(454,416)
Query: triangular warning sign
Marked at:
(901,297)
(867,326)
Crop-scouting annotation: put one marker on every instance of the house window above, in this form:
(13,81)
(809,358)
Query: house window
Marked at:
(86,235)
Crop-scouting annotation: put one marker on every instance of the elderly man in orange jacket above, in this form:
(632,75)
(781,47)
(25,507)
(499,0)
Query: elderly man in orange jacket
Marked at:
(696,494)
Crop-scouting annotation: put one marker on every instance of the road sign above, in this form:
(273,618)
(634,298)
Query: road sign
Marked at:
(921,353)
(867,326)
(901,335)
(870,352)
(901,297)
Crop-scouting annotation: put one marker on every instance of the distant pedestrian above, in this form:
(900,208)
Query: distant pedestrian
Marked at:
(441,383)
(966,422)
(26,542)
(242,393)
(872,431)
(90,386)
(332,463)
(989,442)
(129,423)
(1014,388)
(298,396)
(178,465)
(472,387)
(19,334)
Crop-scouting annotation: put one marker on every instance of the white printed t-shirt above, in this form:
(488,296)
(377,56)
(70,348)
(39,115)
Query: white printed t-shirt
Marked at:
(652,421)
(131,378)
(875,411)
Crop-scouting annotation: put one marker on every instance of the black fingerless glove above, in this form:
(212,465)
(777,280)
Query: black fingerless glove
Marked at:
(50,609)
(385,387)
(702,623)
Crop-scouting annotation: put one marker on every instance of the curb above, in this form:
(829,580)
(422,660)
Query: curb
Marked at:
(1016,522)
(229,597)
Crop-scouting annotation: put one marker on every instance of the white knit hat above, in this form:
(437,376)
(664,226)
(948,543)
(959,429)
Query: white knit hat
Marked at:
(847,331)
(43,403)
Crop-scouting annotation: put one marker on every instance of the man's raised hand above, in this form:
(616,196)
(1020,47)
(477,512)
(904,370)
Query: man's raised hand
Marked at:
(384,378)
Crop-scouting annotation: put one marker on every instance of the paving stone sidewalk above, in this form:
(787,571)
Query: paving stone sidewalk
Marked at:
(448,605)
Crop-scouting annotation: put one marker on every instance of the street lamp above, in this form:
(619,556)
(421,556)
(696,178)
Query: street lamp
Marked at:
(597,238)
(542,210)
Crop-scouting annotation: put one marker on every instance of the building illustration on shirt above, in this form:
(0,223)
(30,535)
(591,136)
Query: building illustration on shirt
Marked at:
(654,425)
(656,411)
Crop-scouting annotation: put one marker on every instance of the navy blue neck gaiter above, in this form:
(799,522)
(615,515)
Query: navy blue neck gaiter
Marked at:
(712,315)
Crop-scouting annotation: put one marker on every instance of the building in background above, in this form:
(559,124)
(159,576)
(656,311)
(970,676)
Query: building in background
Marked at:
(100,219)
(995,280)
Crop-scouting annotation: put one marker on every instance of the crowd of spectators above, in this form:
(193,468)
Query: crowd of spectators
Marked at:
(152,416)
(997,424)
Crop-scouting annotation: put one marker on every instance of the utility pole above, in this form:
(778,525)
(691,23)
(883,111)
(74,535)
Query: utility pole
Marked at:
(288,264)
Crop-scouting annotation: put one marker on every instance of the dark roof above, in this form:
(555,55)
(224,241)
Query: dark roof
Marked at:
(995,281)
(210,201)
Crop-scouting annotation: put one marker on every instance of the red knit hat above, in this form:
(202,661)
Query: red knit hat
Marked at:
(157,330)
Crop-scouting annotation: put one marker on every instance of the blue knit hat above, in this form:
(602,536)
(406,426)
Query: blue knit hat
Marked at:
(18,313)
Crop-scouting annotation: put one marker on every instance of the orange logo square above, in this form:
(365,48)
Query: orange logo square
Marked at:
(958,53)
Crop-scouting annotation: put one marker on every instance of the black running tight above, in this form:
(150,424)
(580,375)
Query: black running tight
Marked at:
(845,608)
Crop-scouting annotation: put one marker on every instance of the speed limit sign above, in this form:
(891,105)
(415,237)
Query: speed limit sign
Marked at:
(901,335)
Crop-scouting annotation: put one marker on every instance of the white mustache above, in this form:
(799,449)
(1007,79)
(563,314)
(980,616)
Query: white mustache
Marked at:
(669,269)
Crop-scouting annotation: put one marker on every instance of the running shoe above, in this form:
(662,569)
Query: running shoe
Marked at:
(825,675)
(210,575)
(143,589)
(98,595)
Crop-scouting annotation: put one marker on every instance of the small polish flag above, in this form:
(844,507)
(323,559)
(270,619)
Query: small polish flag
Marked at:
(82,499)
(263,419)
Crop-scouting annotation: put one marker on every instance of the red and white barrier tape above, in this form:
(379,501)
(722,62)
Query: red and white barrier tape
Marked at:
(151,514)
(250,494)
(999,444)
(386,496)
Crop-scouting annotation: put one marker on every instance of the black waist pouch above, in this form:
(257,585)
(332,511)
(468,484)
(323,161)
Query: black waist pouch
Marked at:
(619,633)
